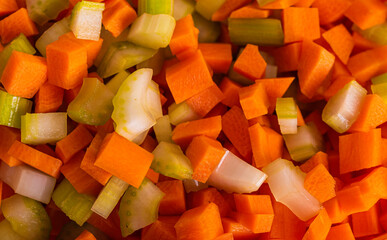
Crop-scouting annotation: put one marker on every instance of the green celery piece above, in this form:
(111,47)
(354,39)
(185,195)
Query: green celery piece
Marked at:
(181,112)
(27,217)
(262,3)
(182,8)
(20,44)
(93,104)
(208,8)
(139,207)
(42,128)
(121,56)
(86,20)
(381,90)
(286,110)
(75,205)
(163,129)
(109,197)
(343,108)
(6,231)
(376,34)
(12,108)
(262,32)
(41,11)
(156,62)
(155,7)
(209,31)
(152,31)
(52,34)
(380,79)
(170,161)
(114,84)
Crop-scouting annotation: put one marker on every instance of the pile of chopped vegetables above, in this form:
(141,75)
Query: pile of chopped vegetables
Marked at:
(193,120)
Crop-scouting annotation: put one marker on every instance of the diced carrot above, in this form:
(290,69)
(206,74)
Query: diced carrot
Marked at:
(339,69)
(300,24)
(225,236)
(374,184)
(152,175)
(341,42)
(342,231)
(352,200)
(217,55)
(250,63)
(162,229)
(337,84)
(279,4)
(124,159)
(257,223)
(320,184)
(380,237)
(203,102)
(44,148)
(35,158)
(319,228)
(212,195)
(256,204)
(105,225)
(7,7)
(227,7)
(230,91)
(239,231)
(7,137)
(219,110)
(304,3)
(250,11)
(117,16)
(287,57)
(70,94)
(331,10)
(48,98)
(86,235)
(366,223)
(366,13)
(254,100)
(149,143)
(16,23)
(318,158)
(173,202)
(184,37)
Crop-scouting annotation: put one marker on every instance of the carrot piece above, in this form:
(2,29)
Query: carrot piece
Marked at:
(35,158)
(337,84)
(250,11)
(342,231)
(152,175)
(374,184)
(279,4)
(24,74)
(257,223)
(318,158)
(7,137)
(331,10)
(300,24)
(149,143)
(320,184)
(173,203)
(205,154)
(227,8)
(117,16)
(44,148)
(217,55)
(66,63)
(246,203)
(184,37)
(203,102)
(131,165)
(86,235)
(188,77)
(48,98)
(360,150)
(230,91)
(238,230)
(366,223)
(254,100)
(315,64)
(304,3)
(352,200)
(287,57)
(225,236)
(380,237)
(250,63)
(162,229)
(212,195)
(183,133)
(77,140)
(106,225)
(366,13)
(235,127)
(16,23)
(361,43)
(7,7)
(341,42)
(202,222)
(319,228)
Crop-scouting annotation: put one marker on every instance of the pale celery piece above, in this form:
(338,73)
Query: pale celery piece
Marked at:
(12,108)
(27,217)
(155,7)
(28,181)
(75,205)
(93,104)
(209,31)
(86,20)
(109,197)
(170,161)
(52,34)
(156,62)
(286,110)
(182,8)
(42,128)
(208,8)
(264,2)
(163,129)
(305,143)
(41,11)
(121,56)
(114,84)
(286,182)
(181,112)
(344,107)
(235,175)
(137,105)
(139,207)
(20,44)
(262,32)
(152,31)
(192,185)
(6,231)
(376,34)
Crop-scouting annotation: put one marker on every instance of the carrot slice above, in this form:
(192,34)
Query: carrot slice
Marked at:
(7,7)
(205,196)
(230,91)
(49,98)
(203,102)
(86,235)
(318,158)
(366,13)
(250,63)
(287,57)
(7,137)
(331,10)
(162,229)
(238,230)
(257,223)
(246,203)
(319,228)
(250,11)
(173,202)
(366,223)
(254,100)
(300,24)
(217,55)
(16,23)
(117,16)
(342,231)
(320,183)
(341,42)
(227,7)
(184,38)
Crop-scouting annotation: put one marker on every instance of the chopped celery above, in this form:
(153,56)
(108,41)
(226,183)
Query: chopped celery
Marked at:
(264,2)
(93,104)
(163,129)
(192,185)
(27,217)
(12,108)
(28,182)
(41,11)
(136,105)
(208,8)
(286,182)
(381,90)
(209,31)
(75,205)
(139,207)
(342,109)
(286,110)
(182,8)
(109,197)
(152,31)
(156,62)
(6,231)
(86,20)
(305,143)
(235,175)
(121,56)
(114,84)
(42,128)
(155,7)
(181,112)
(376,34)
(379,79)
(52,34)
(263,32)
(170,161)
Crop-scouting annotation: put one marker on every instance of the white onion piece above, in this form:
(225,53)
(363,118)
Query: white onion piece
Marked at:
(235,175)
(286,182)
(192,185)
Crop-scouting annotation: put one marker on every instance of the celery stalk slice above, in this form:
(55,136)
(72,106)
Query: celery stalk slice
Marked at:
(208,8)
(41,11)
(286,110)
(209,31)
(6,231)
(114,84)
(155,7)
(163,129)
(381,90)
(182,8)
(181,112)
(12,108)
